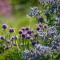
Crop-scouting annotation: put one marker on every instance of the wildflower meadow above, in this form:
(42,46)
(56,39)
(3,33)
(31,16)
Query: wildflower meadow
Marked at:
(30,30)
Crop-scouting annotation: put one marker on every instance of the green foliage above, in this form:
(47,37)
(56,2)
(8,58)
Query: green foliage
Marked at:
(33,2)
(23,1)
(12,54)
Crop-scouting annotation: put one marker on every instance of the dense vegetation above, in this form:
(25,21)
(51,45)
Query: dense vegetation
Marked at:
(31,33)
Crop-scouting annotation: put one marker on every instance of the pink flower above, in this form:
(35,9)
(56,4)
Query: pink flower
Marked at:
(1,4)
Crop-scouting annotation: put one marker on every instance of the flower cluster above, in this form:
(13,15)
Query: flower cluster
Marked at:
(40,44)
(37,53)
(43,52)
(34,11)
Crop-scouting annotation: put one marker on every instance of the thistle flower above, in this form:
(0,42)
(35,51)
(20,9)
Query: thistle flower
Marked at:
(20,31)
(38,28)
(27,28)
(40,25)
(45,26)
(2,37)
(33,43)
(8,41)
(23,35)
(41,19)
(12,38)
(11,30)
(4,26)
(29,32)
(35,35)
(32,31)
(14,44)
(28,36)
(6,48)
(23,28)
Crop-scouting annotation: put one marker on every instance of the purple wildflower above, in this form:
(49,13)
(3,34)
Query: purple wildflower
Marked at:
(2,37)
(23,28)
(11,30)
(6,48)
(23,35)
(14,44)
(32,31)
(28,36)
(12,38)
(33,43)
(41,19)
(35,35)
(45,26)
(8,41)
(20,31)
(38,28)
(40,25)
(29,32)
(4,26)
(27,28)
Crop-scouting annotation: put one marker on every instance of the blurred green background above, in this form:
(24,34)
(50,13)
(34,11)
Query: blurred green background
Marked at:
(22,5)
(19,19)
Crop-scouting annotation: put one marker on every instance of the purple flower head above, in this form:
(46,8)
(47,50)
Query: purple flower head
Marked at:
(14,44)
(28,36)
(40,25)
(20,31)
(45,26)
(16,37)
(12,38)
(2,37)
(35,35)
(29,32)
(33,43)
(11,30)
(8,41)
(23,35)
(27,28)
(38,28)
(32,31)
(41,19)
(23,28)
(6,48)
(4,26)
